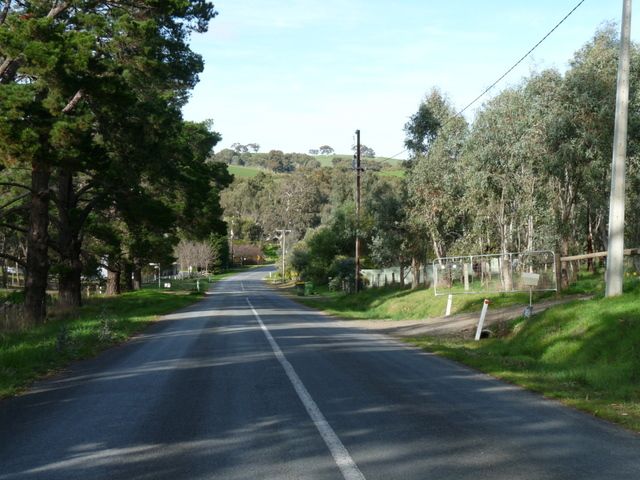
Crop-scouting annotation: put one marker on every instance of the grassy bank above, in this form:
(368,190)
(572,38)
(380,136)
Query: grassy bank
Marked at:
(100,323)
(586,354)
(394,303)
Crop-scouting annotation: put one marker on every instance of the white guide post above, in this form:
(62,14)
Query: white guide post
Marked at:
(449,302)
(483,314)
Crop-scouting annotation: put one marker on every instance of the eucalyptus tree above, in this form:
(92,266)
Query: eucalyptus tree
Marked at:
(435,139)
(589,104)
(299,201)
(504,175)
(579,136)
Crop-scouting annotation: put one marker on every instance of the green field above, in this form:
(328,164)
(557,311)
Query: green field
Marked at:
(327,160)
(392,173)
(250,172)
(244,172)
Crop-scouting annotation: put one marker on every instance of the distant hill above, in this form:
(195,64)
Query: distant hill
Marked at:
(248,164)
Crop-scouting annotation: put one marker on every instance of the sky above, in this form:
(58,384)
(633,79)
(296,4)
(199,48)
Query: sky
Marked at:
(292,75)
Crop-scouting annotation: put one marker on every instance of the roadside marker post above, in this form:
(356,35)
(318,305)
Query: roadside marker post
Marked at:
(483,314)
(449,302)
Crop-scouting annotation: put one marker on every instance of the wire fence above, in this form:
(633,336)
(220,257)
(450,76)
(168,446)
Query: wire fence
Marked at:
(495,273)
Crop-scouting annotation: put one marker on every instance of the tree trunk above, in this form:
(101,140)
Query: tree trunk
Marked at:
(70,285)
(37,246)
(415,273)
(5,274)
(530,233)
(505,261)
(564,266)
(69,280)
(127,284)
(590,263)
(137,277)
(113,282)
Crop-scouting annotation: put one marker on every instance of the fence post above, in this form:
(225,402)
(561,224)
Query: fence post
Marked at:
(557,267)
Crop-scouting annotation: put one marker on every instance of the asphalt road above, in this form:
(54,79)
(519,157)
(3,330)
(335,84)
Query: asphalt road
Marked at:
(249,385)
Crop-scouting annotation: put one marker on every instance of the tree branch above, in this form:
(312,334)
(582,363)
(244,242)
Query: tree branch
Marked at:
(73,102)
(5,65)
(5,11)
(58,9)
(18,185)
(88,208)
(19,261)
(84,190)
(14,228)
(10,66)
(17,199)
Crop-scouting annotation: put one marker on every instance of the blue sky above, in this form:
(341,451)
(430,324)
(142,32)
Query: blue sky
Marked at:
(296,74)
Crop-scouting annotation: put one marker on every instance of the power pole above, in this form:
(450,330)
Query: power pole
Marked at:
(283,232)
(358,172)
(231,241)
(615,254)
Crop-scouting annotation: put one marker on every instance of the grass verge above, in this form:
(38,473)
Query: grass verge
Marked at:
(100,323)
(394,303)
(585,354)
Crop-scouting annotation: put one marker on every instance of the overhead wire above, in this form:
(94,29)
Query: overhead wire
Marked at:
(486,90)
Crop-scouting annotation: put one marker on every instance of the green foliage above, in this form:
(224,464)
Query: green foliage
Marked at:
(93,98)
(342,272)
(422,128)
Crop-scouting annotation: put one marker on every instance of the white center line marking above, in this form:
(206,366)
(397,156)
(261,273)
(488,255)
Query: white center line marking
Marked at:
(347,466)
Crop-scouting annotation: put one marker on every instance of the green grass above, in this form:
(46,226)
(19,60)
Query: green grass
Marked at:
(244,172)
(394,303)
(102,322)
(392,173)
(586,354)
(327,160)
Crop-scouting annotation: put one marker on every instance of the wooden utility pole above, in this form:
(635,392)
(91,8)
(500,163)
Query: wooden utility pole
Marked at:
(615,257)
(358,172)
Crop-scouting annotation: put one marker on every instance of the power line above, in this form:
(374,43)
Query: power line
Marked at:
(485,91)
(521,59)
